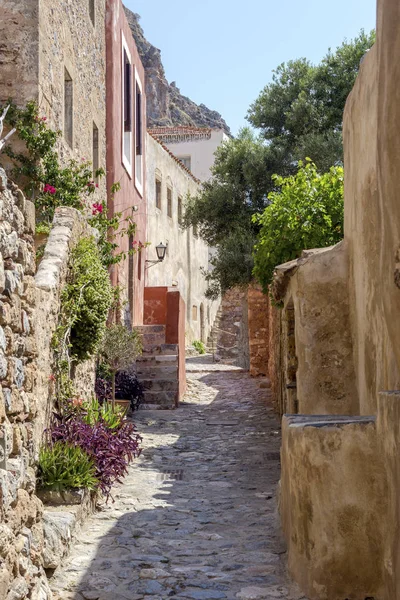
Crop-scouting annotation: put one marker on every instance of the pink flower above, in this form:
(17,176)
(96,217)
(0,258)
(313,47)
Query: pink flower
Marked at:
(49,189)
(77,402)
(52,377)
(44,118)
(97,208)
(97,185)
(134,243)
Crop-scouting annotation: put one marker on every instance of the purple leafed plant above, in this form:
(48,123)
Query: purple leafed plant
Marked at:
(111,450)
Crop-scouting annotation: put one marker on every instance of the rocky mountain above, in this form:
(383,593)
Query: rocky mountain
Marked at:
(166,106)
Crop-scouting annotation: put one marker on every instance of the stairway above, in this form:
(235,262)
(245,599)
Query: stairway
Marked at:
(157,369)
(212,340)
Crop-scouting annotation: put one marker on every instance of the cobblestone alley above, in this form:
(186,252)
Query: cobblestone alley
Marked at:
(196,518)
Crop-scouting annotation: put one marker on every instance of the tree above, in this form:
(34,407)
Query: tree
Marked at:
(120,348)
(222,210)
(305,212)
(301,111)
(298,115)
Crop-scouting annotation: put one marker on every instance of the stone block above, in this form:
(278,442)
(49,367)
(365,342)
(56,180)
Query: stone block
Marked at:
(6,540)
(18,372)
(332,488)
(57,529)
(14,401)
(8,243)
(26,327)
(5,577)
(5,312)
(3,366)
(30,217)
(18,589)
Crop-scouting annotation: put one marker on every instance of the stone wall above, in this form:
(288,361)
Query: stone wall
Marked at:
(39,41)
(364,305)
(29,308)
(21,528)
(258,326)
(229,339)
(69,226)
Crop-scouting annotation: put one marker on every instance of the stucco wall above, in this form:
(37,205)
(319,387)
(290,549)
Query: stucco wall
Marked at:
(129,200)
(201,152)
(317,362)
(366,230)
(333,494)
(186,253)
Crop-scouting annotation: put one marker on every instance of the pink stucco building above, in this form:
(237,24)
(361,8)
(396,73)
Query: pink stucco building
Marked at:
(125,131)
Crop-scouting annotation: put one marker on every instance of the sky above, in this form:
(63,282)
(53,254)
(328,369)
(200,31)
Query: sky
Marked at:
(222,52)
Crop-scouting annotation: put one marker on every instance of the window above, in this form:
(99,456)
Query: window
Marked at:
(68,109)
(95,151)
(127,107)
(180,210)
(194,313)
(138,135)
(92,11)
(158,194)
(186,161)
(169,202)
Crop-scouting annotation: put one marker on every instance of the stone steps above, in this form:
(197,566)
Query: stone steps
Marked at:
(157,369)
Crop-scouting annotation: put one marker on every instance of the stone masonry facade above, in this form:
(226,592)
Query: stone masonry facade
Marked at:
(43,45)
(21,529)
(29,309)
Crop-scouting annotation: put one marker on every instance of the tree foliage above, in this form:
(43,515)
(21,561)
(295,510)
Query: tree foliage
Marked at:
(298,115)
(301,110)
(222,211)
(306,212)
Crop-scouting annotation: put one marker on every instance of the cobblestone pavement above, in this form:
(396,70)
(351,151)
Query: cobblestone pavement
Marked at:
(196,518)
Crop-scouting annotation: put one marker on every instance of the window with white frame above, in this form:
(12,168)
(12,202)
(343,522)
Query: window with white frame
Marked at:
(138,134)
(126,107)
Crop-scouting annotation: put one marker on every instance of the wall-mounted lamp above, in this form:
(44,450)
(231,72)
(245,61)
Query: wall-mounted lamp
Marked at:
(161,250)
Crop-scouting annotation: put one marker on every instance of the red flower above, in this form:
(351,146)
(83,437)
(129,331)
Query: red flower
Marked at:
(44,118)
(97,208)
(52,377)
(49,189)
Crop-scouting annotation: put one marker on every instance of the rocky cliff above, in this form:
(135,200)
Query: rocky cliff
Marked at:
(166,106)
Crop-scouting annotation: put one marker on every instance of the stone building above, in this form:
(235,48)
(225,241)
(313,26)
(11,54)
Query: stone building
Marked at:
(336,360)
(126,165)
(169,184)
(55,53)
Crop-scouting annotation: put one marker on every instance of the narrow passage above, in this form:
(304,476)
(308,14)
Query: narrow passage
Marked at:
(196,518)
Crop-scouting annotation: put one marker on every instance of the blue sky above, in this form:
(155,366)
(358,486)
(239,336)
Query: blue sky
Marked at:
(222,52)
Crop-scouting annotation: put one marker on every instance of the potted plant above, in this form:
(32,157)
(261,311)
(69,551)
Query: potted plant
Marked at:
(119,350)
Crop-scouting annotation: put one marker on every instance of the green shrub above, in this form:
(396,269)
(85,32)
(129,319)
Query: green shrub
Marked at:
(65,467)
(305,212)
(199,346)
(86,299)
(94,412)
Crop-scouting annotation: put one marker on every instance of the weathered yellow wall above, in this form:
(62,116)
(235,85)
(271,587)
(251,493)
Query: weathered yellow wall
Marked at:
(317,290)
(333,491)
(371,230)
